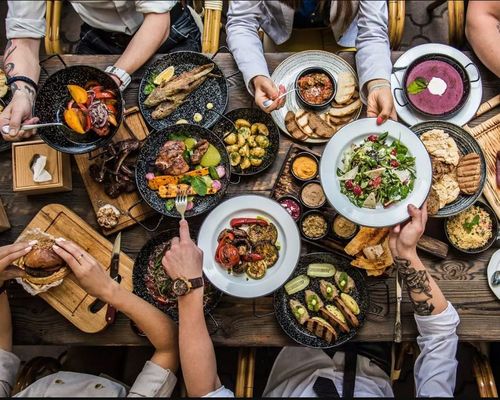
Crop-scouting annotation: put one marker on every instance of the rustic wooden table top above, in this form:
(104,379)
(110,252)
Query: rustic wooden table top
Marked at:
(243,322)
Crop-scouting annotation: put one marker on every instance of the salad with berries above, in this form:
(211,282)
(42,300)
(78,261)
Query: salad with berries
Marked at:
(376,172)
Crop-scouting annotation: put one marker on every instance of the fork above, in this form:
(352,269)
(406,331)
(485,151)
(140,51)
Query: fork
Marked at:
(181,203)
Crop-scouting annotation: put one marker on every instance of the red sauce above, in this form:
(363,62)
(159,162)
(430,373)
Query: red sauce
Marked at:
(315,88)
(292,207)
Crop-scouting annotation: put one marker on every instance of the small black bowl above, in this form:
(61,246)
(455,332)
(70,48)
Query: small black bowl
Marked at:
(494,230)
(342,238)
(302,200)
(294,199)
(304,154)
(52,99)
(304,216)
(304,103)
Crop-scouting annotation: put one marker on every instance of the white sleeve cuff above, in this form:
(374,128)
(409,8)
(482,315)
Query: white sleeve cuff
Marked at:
(153,381)
(17,28)
(444,323)
(221,392)
(157,7)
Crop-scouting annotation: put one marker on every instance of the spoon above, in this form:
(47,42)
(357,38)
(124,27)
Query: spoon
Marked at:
(268,102)
(5,128)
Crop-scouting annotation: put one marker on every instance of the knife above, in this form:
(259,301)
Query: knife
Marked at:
(98,304)
(399,298)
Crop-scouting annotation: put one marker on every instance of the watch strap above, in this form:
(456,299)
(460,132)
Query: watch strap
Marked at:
(196,282)
(121,74)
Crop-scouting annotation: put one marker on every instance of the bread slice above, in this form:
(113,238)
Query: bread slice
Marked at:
(349,315)
(335,317)
(293,128)
(322,329)
(320,127)
(348,109)
(302,119)
(346,86)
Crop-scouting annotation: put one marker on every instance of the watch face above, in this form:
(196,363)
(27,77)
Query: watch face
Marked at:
(180,287)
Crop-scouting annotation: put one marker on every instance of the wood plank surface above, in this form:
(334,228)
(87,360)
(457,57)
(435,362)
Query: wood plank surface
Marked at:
(246,322)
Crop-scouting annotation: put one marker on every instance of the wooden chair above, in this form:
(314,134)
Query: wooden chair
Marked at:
(245,373)
(396,22)
(456,20)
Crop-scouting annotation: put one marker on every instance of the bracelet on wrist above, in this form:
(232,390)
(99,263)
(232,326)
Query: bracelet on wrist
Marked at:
(378,86)
(25,79)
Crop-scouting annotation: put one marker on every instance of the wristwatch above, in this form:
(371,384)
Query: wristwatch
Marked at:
(182,286)
(121,74)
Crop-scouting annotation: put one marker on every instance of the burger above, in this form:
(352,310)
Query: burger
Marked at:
(42,266)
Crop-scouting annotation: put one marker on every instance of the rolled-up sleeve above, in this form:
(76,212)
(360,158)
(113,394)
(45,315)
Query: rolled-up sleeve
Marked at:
(9,365)
(153,381)
(243,22)
(156,7)
(220,393)
(25,19)
(436,366)
(373,57)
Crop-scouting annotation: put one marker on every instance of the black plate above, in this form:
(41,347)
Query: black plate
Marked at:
(148,153)
(466,144)
(4,144)
(140,271)
(298,332)
(494,230)
(252,115)
(52,99)
(213,90)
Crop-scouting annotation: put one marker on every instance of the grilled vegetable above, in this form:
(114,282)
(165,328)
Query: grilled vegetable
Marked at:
(236,222)
(256,269)
(297,284)
(321,270)
(313,301)
(171,190)
(162,180)
(350,302)
(299,311)
(328,290)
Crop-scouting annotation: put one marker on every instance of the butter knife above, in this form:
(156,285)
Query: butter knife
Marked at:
(399,298)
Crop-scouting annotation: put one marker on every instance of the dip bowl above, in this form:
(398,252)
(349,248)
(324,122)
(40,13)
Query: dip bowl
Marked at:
(313,106)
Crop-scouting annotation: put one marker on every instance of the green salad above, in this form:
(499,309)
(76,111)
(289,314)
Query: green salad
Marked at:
(375,172)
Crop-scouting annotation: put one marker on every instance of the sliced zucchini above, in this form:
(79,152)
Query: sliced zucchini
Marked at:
(321,270)
(256,269)
(297,284)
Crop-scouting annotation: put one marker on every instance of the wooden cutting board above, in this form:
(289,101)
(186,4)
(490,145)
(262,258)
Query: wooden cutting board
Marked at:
(488,136)
(133,126)
(69,299)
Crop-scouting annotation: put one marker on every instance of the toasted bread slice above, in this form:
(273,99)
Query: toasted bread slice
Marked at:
(328,295)
(322,329)
(299,311)
(348,109)
(293,128)
(383,261)
(302,119)
(346,87)
(335,317)
(320,127)
(349,315)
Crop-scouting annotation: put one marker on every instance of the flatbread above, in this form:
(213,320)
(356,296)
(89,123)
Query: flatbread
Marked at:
(439,168)
(440,145)
(382,262)
(348,109)
(469,173)
(433,202)
(364,238)
(447,189)
(346,85)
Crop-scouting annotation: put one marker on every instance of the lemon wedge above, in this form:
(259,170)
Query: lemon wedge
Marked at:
(165,75)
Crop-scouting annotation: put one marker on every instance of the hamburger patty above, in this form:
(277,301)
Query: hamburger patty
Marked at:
(41,273)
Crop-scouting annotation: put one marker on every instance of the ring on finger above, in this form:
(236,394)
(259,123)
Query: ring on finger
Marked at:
(80,257)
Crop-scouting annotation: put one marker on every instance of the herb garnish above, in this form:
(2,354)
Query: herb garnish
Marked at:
(150,86)
(417,86)
(468,226)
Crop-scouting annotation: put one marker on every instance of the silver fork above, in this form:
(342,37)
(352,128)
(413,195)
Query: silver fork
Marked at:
(181,203)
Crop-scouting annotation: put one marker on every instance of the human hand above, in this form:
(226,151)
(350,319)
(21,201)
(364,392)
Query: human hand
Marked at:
(265,89)
(403,239)
(380,102)
(18,112)
(184,259)
(90,274)
(9,254)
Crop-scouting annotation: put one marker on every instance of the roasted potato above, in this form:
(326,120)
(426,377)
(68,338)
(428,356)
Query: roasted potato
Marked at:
(262,141)
(244,131)
(259,128)
(233,148)
(241,140)
(234,159)
(258,152)
(245,163)
(231,138)
(251,141)
(244,151)
(242,122)
(256,162)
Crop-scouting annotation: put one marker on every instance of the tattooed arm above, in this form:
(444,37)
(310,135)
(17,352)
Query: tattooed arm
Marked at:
(437,320)
(21,58)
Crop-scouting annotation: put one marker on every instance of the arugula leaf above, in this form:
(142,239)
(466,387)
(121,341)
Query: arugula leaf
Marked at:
(382,137)
(150,86)
(417,86)
(199,185)
(468,226)
(170,204)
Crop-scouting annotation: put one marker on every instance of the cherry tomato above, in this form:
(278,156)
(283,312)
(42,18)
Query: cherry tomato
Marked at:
(375,182)
(373,138)
(394,151)
(349,184)
(357,190)
(394,163)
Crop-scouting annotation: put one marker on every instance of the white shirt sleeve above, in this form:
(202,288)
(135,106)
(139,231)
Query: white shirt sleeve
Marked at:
(436,366)
(25,19)
(243,21)
(157,7)
(221,392)
(9,366)
(153,381)
(373,56)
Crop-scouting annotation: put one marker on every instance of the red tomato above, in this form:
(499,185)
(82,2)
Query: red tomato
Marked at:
(394,163)
(372,138)
(394,151)
(375,182)
(228,256)
(349,184)
(357,190)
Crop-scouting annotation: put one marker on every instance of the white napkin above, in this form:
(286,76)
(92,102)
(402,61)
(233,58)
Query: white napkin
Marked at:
(40,174)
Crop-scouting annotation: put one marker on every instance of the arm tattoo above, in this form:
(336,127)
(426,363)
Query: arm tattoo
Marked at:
(498,27)
(27,88)
(9,49)
(418,286)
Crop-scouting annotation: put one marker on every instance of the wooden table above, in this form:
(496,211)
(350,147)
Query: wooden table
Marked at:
(242,322)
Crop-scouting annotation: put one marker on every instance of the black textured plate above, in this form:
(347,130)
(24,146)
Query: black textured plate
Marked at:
(494,230)
(52,99)
(298,332)
(213,90)
(147,156)
(252,115)
(466,144)
(213,296)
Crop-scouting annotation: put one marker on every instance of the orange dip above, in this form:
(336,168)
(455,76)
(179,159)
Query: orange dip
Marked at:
(305,167)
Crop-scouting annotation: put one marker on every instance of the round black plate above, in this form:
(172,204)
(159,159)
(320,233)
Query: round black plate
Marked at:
(213,90)
(494,230)
(52,99)
(298,332)
(252,115)
(4,144)
(140,271)
(466,144)
(147,156)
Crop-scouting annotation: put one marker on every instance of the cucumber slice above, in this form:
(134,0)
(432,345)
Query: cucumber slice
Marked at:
(297,284)
(321,270)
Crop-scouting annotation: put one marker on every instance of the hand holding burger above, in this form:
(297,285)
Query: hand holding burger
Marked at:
(9,254)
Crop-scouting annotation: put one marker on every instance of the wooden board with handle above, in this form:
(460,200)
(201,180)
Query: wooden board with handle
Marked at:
(487,135)
(69,299)
(133,126)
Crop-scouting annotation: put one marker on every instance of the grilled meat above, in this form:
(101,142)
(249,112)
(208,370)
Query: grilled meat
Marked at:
(199,149)
(170,160)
